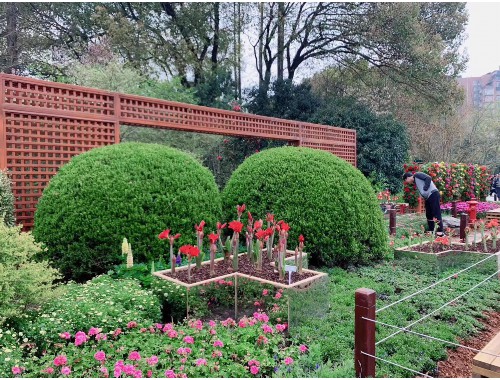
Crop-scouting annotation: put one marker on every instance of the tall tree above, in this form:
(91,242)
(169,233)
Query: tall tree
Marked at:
(413,43)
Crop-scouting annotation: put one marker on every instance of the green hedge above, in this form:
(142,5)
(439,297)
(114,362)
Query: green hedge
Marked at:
(6,200)
(320,195)
(131,190)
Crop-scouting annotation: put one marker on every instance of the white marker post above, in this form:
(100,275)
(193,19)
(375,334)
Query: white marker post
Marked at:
(290,269)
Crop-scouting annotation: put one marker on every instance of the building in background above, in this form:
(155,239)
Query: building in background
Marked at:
(481,91)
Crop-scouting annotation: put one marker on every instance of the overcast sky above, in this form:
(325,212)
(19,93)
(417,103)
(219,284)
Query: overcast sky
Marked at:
(483,43)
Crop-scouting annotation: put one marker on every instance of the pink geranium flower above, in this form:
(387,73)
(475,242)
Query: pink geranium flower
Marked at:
(277,296)
(93,331)
(152,360)
(65,335)
(169,373)
(134,355)
(302,348)
(60,360)
(49,370)
(212,323)
(100,356)
(265,292)
(172,334)
(149,373)
(254,370)
(16,370)
(200,362)
(288,360)
(65,371)
(188,339)
(132,324)
(218,343)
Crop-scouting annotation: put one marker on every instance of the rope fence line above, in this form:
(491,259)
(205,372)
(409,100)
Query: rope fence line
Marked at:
(433,338)
(436,283)
(365,322)
(396,364)
(439,308)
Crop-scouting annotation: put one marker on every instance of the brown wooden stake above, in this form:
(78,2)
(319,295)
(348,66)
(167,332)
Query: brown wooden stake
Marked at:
(454,209)
(235,297)
(364,332)
(463,224)
(392,221)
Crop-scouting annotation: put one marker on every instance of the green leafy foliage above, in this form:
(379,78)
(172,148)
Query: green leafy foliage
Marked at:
(102,302)
(382,142)
(6,200)
(24,283)
(128,190)
(320,195)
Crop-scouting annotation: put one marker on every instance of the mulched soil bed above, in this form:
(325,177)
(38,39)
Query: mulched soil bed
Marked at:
(244,266)
(459,362)
(456,247)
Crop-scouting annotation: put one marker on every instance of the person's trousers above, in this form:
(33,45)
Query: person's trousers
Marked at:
(433,210)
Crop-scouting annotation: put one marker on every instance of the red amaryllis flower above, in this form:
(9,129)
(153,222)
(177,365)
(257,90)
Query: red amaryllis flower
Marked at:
(213,238)
(250,217)
(220,226)
(176,236)
(257,224)
(189,250)
(301,239)
(240,209)
(164,235)
(199,228)
(261,234)
(284,226)
(236,226)
(270,218)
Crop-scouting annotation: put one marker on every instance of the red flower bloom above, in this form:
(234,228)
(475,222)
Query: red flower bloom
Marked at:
(189,250)
(240,209)
(257,224)
(220,226)
(301,239)
(164,235)
(200,227)
(213,238)
(261,234)
(236,226)
(270,218)
(219,158)
(284,226)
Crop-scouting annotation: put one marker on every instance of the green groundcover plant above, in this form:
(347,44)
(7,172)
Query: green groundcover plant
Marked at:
(130,190)
(102,302)
(319,195)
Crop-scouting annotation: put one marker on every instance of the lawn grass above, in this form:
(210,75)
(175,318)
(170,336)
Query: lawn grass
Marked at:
(331,339)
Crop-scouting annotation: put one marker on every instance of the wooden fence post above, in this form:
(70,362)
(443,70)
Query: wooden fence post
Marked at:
(454,209)
(364,332)
(463,224)
(392,221)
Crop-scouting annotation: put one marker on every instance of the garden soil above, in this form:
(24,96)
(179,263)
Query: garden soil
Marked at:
(459,362)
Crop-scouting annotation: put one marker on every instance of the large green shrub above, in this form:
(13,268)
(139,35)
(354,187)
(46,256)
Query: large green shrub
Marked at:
(24,283)
(320,195)
(130,190)
(6,200)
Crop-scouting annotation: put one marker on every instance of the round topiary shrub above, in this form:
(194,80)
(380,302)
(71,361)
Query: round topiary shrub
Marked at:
(6,200)
(320,195)
(130,190)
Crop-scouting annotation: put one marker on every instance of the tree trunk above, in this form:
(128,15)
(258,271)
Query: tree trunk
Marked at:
(12,14)
(281,40)
(238,82)
(215,46)
(261,46)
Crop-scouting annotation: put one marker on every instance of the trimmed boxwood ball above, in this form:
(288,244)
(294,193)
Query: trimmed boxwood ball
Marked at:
(321,196)
(131,190)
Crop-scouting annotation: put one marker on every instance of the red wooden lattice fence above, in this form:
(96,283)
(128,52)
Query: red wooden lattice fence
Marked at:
(43,124)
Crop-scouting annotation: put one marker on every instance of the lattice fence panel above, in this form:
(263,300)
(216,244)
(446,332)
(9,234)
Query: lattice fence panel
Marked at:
(163,114)
(43,124)
(21,93)
(37,146)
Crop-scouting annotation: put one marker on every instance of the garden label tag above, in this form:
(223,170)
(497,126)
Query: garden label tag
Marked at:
(290,269)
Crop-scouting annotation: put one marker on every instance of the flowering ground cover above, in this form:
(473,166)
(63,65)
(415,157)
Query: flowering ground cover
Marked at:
(245,348)
(481,207)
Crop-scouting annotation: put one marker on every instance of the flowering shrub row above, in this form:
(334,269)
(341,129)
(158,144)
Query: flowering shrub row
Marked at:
(455,181)
(481,207)
(250,347)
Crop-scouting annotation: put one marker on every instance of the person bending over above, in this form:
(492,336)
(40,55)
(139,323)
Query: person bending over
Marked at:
(430,193)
